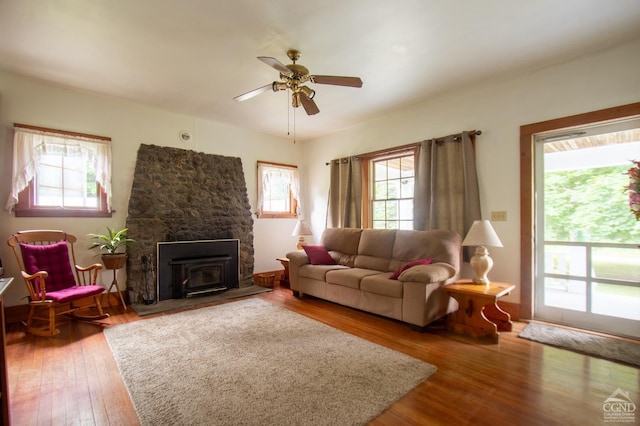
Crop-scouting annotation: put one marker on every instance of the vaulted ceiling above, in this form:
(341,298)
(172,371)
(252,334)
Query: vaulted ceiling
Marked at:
(194,56)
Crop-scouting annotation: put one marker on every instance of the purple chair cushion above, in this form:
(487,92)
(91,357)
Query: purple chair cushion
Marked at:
(52,258)
(74,293)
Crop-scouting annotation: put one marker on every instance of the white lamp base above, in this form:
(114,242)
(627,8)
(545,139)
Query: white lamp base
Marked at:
(300,242)
(481,264)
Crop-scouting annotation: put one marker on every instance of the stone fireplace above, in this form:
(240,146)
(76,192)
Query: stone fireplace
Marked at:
(177,197)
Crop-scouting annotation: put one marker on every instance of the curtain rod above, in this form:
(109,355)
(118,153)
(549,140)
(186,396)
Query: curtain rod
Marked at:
(60,132)
(456,137)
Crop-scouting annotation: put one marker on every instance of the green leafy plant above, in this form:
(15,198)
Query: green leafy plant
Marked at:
(111,241)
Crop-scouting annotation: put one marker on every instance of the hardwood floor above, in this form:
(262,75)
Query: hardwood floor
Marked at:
(72,378)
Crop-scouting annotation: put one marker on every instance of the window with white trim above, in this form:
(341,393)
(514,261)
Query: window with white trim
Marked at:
(60,173)
(278,190)
(391,190)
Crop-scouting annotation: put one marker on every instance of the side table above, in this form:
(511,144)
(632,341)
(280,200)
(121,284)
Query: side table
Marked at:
(114,283)
(284,280)
(479,315)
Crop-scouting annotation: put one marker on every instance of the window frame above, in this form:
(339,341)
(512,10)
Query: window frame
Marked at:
(367,175)
(293,202)
(26,205)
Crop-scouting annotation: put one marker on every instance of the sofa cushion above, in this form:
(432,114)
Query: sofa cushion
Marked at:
(382,285)
(342,244)
(344,240)
(317,272)
(318,255)
(348,277)
(434,273)
(408,265)
(375,249)
(439,245)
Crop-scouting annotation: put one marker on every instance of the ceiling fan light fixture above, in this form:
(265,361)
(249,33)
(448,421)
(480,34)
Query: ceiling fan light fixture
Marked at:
(279,85)
(295,99)
(310,93)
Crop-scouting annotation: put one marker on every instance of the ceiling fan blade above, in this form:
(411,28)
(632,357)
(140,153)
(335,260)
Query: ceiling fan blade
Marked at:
(337,80)
(254,92)
(274,63)
(309,105)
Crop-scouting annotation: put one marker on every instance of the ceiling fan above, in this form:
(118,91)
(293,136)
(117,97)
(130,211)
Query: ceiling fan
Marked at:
(293,77)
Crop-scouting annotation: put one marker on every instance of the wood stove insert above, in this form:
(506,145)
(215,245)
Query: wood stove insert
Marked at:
(194,268)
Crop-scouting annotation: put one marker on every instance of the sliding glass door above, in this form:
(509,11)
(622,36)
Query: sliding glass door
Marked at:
(587,253)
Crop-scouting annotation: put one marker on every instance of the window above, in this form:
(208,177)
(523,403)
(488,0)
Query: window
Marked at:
(59,173)
(390,192)
(277,190)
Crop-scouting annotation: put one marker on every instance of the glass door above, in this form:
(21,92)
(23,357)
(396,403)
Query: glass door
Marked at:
(587,257)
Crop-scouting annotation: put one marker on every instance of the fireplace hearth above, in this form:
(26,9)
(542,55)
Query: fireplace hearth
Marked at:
(196,268)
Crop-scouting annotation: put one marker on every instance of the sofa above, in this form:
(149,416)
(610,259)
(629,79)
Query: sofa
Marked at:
(398,274)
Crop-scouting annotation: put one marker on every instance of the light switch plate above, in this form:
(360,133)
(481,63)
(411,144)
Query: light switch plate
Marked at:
(500,216)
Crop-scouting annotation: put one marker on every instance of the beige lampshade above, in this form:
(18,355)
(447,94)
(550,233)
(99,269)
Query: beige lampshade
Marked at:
(482,235)
(302,228)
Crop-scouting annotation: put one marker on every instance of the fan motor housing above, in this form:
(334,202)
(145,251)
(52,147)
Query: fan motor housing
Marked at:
(299,72)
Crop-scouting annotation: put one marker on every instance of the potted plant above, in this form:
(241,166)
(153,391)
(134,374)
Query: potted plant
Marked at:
(111,244)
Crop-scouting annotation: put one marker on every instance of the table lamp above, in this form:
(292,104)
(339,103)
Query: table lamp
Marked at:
(301,229)
(481,235)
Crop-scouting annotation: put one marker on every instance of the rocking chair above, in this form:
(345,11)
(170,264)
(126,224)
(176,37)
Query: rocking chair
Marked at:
(43,258)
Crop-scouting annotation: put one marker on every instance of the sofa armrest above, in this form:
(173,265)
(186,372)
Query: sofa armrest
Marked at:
(434,273)
(298,258)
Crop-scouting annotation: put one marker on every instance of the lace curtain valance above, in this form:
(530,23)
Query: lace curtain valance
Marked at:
(30,145)
(268,174)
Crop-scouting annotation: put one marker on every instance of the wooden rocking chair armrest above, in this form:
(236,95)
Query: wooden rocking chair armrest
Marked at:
(96,266)
(29,281)
(88,275)
(31,277)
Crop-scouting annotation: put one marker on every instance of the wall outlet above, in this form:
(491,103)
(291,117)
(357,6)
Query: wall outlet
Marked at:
(500,216)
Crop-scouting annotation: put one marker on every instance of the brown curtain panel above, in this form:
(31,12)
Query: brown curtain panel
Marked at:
(446,185)
(344,206)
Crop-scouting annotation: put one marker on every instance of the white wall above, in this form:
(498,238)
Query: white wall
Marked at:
(27,101)
(498,108)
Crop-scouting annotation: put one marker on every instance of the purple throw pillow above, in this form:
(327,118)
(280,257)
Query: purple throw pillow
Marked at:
(408,265)
(318,255)
(52,258)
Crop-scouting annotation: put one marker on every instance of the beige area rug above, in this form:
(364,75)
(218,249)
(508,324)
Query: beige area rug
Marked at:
(252,363)
(587,343)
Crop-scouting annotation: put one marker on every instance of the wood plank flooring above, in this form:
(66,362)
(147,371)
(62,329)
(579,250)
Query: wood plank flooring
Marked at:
(72,378)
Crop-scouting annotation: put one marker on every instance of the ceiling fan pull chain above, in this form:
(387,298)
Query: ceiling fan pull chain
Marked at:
(288,114)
